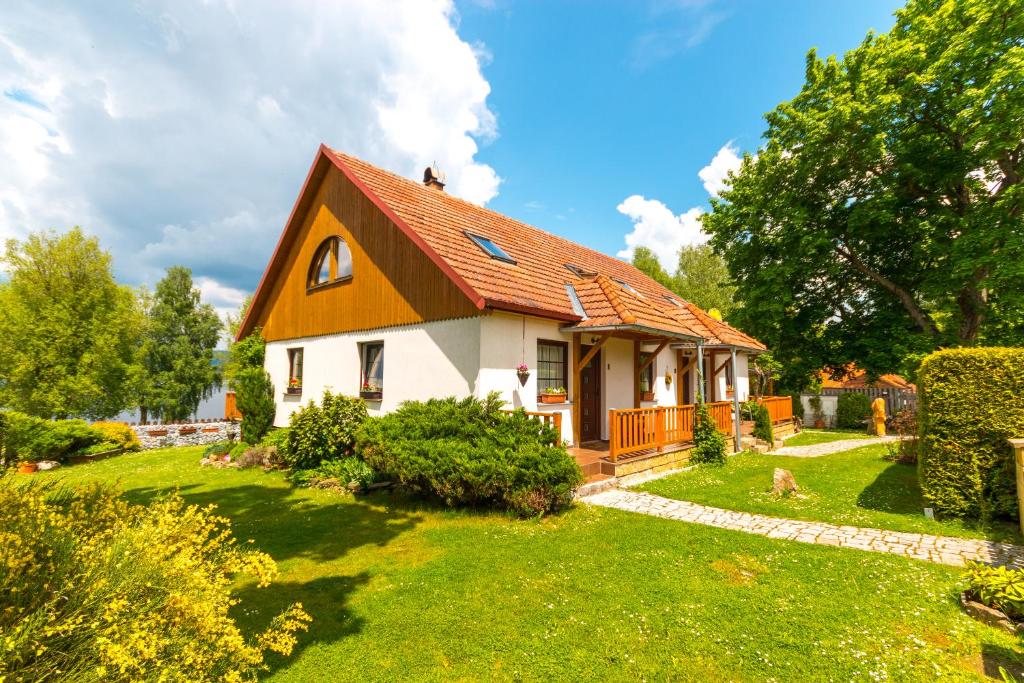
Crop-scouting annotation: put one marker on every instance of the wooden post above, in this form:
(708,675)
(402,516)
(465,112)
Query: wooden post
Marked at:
(636,373)
(577,399)
(701,389)
(659,428)
(613,437)
(1018,457)
(736,401)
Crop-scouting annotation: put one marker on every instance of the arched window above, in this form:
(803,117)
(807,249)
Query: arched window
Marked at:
(332,262)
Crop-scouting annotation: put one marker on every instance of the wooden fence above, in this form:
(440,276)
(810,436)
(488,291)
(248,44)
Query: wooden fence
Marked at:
(549,419)
(721,413)
(641,429)
(780,408)
(895,399)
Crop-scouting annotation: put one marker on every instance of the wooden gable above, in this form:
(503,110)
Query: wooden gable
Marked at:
(393,281)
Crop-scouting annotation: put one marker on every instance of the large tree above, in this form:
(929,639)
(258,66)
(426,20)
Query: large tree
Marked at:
(181,334)
(69,332)
(882,218)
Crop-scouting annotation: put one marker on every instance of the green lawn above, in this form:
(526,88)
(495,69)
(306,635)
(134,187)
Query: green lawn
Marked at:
(810,437)
(857,487)
(401,590)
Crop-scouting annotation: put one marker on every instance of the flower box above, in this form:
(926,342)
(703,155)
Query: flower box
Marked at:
(371,395)
(211,430)
(156,432)
(552,398)
(647,396)
(293,391)
(185,431)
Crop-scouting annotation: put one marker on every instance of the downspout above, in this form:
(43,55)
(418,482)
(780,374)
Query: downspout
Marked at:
(736,400)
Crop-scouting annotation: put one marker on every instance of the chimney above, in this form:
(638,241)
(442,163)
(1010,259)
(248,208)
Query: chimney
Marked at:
(433,178)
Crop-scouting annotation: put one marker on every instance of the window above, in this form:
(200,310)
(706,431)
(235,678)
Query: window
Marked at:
(372,381)
(579,272)
(551,365)
(673,301)
(295,371)
(491,248)
(625,285)
(647,376)
(332,262)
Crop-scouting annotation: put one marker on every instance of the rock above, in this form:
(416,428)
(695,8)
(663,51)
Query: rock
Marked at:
(783,481)
(44,465)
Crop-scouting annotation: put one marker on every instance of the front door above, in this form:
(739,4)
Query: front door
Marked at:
(590,398)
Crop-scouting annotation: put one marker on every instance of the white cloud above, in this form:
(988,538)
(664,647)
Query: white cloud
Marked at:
(656,227)
(180,132)
(715,174)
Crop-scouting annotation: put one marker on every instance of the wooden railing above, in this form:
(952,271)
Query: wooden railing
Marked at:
(553,419)
(780,408)
(640,429)
(721,413)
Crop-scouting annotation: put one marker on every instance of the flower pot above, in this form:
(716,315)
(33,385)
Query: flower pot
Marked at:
(27,468)
(552,398)
(819,424)
(523,376)
(647,396)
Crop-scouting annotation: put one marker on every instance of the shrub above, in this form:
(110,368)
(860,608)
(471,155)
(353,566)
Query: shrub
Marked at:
(758,412)
(119,433)
(218,449)
(346,472)
(852,409)
(101,447)
(237,450)
(969,405)
(278,440)
(33,438)
(997,587)
(798,405)
(708,442)
(95,588)
(904,423)
(324,432)
(469,453)
(257,456)
(254,397)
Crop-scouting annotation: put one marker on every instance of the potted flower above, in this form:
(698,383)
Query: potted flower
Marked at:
(294,386)
(553,395)
(819,414)
(523,371)
(27,467)
(371,391)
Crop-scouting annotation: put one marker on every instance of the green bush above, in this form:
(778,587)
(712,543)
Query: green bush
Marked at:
(324,432)
(345,472)
(708,443)
(997,587)
(278,440)
(33,438)
(469,453)
(798,405)
(95,588)
(970,402)
(752,410)
(119,433)
(254,397)
(101,447)
(220,448)
(852,409)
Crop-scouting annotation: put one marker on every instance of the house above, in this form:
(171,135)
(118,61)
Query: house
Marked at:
(396,290)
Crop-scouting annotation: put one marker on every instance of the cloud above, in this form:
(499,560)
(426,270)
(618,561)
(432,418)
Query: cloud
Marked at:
(180,133)
(678,25)
(714,175)
(656,227)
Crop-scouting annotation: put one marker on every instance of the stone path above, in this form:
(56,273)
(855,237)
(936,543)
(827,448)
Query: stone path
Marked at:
(819,449)
(941,549)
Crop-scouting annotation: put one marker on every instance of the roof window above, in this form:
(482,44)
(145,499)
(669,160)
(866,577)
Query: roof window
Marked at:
(579,272)
(625,285)
(492,249)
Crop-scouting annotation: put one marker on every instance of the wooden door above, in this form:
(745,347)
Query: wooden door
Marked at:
(590,398)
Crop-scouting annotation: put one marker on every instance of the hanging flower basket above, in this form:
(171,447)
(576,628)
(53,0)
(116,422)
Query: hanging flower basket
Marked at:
(523,372)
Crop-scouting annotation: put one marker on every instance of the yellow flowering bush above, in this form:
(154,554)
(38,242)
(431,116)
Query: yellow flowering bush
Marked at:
(119,433)
(93,587)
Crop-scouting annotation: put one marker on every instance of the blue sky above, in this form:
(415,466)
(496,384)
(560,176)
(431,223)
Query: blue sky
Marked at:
(598,102)
(179,131)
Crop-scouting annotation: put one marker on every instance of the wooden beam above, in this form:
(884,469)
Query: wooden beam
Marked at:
(650,358)
(577,399)
(721,367)
(636,375)
(594,349)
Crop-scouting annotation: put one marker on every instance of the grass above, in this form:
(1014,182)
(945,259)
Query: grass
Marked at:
(857,487)
(811,437)
(403,590)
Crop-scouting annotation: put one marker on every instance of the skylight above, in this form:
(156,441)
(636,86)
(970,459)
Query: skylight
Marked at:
(673,301)
(627,286)
(492,249)
(577,271)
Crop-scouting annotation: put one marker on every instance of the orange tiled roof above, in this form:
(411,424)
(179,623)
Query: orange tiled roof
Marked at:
(538,278)
(856,378)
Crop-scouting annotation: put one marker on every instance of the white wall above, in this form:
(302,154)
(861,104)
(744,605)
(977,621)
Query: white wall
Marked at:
(422,361)
(828,409)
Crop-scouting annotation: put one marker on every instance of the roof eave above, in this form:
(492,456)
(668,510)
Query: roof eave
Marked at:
(653,331)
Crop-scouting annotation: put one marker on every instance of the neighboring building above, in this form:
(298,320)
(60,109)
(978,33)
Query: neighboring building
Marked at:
(398,290)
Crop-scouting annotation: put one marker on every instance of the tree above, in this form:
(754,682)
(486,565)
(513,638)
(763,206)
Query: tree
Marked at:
(68,331)
(254,396)
(647,263)
(882,218)
(178,353)
(703,278)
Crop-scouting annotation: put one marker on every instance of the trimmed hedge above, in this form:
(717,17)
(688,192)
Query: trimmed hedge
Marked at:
(34,438)
(469,453)
(971,402)
(852,409)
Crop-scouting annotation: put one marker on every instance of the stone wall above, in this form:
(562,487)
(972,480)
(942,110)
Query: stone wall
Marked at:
(186,433)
